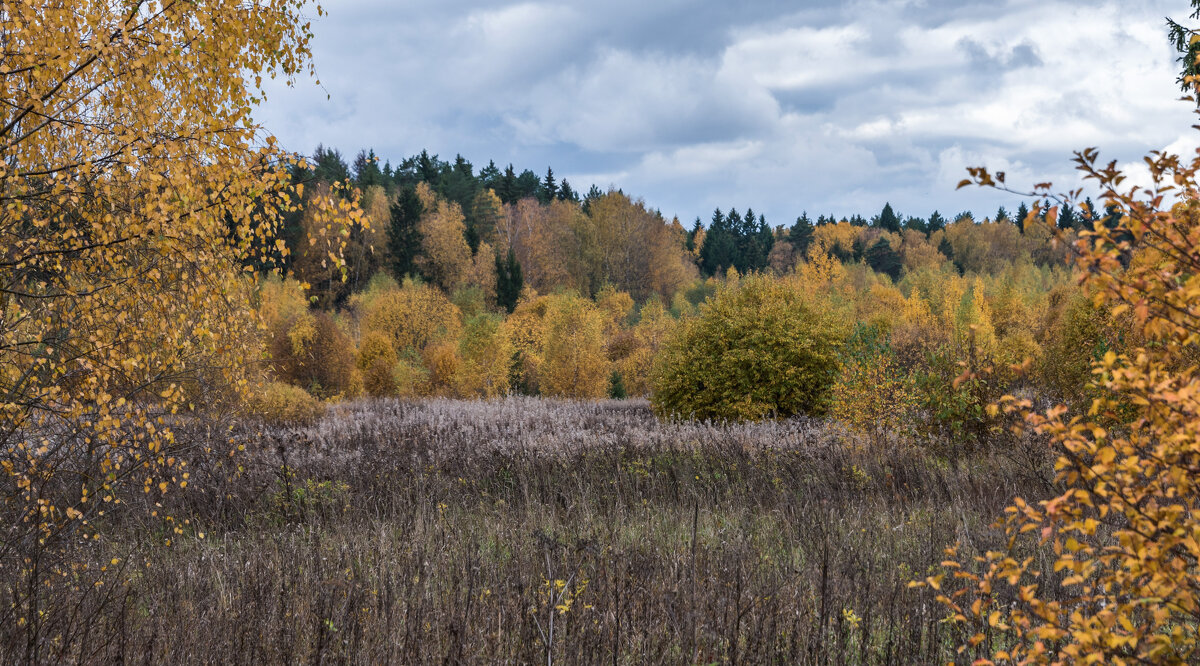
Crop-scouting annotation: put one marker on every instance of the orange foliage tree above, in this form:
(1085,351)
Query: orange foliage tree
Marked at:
(135,184)
(1124,532)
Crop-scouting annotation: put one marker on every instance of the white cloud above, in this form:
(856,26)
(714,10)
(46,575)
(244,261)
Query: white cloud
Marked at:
(834,109)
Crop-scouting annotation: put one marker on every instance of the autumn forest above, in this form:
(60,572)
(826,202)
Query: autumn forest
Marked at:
(259,405)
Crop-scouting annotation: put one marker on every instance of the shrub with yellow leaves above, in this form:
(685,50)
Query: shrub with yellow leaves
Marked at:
(1122,533)
(573,361)
(758,349)
(137,186)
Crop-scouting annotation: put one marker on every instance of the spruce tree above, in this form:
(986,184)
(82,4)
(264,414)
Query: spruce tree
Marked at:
(508,186)
(528,184)
(689,243)
(427,168)
(1067,218)
(1001,216)
(1088,214)
(490,175)
(917,224)
(719,248)
(858,249)
(887,219)
(936,222)
(548,191)
(946,248)
(1022,213)
(800,235)
(404,236)
(764,242)
(566,193)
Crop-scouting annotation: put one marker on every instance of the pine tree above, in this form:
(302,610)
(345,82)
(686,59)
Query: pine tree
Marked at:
(328,166)
(1001,216)
(764,240)
(404,236)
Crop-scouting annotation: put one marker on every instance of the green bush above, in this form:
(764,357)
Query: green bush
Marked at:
(757,349)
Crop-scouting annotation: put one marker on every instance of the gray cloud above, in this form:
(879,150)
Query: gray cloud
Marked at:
(822,106)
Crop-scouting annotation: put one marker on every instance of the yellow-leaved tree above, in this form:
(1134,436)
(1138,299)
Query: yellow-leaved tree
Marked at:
(135,187)
(1118,579)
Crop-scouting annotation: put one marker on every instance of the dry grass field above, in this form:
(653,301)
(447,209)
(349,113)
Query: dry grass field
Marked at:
(528,530)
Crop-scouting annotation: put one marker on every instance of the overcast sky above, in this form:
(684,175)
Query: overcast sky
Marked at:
(829,107)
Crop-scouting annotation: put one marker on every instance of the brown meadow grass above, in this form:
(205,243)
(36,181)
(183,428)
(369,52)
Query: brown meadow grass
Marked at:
(529,531)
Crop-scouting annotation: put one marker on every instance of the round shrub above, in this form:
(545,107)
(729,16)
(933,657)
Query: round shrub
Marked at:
(755,350)
(284,404)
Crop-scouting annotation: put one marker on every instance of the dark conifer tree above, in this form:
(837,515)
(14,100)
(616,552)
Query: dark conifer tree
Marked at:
(800,235)
(1088,215)
(1022,213)
(689,241)
(548,190)
(366,170)
(946,248)
(1001,216)
(1067,218)
(883,259)
(328,166)
(592,194)
(719,249)
(936,222)
(404,236)
(858,249)
(528,184)
(566,193)
(490,175)
(917,224)
(887,219)
(427,168)
(765,242)
(509,281)
(508,186)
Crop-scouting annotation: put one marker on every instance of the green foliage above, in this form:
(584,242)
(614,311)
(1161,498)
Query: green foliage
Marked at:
(756,350)
(509,281)
(404,236)
(883,259)
(616,386)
